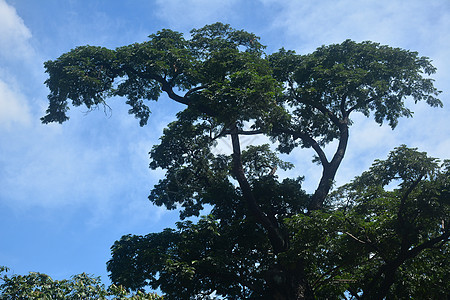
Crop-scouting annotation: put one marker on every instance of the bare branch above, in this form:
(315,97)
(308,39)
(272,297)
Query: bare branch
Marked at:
(355,238)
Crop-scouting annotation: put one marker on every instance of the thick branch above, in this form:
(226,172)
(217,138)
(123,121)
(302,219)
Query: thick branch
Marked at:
(428,244)
(250,132)
(330,170)
(325,111)
(276,238)
(166,87)
(389,269)
(193,90)
(401,215)
(342,107)
(362,104)
(307,139)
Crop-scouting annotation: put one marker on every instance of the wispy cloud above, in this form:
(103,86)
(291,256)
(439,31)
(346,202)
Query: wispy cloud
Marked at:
(14,48)
(402,23)
(14,35)
(414,25)
(14,109)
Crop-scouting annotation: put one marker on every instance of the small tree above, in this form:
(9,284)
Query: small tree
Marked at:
(79,287)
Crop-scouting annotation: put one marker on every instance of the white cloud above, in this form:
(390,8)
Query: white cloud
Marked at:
(15,48)
(13,107)
(402,23)
(14,35)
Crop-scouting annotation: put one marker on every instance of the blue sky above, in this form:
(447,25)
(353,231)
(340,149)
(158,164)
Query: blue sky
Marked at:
(67,192)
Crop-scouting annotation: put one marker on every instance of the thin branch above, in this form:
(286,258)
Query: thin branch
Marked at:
(325,111)
(368,242)
(193,90)
(325,274)
(355,238)
(356,106)
(353,293)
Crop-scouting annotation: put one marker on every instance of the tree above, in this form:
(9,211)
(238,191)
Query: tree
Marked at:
(383,242)
(231,88)
(82,286)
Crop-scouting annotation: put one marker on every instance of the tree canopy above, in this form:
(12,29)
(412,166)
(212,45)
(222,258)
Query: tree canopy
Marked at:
(265,237)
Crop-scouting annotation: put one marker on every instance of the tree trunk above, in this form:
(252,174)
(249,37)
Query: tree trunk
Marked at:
(379,287)
(276,237)
(330,170)
(283,282)
(288,283)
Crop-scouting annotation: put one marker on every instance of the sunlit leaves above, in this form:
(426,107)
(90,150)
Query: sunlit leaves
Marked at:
(84,75)
(323,88)
(81,286)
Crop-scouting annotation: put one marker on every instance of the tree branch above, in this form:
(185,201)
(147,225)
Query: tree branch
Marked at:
(325,274)
(276,237)
(355,238)
(401,215)
(330,170)
(307,139)
(193,90)
(428,244)
(325,111)
(342,107)
(166,87)
(356,106)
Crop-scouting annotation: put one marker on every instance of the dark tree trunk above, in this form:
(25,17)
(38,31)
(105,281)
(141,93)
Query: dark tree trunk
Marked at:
(276,237)
(379,286)
(283,282)
(288,283)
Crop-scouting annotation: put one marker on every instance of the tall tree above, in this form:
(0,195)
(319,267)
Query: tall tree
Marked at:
(232,88)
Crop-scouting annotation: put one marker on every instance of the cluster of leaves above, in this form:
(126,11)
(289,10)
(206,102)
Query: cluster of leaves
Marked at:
(382,241)
(79,287)
(369,238)
(209,65)
(195,259)
(265,238)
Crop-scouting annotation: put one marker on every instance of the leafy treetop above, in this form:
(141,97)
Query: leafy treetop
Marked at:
(231,88)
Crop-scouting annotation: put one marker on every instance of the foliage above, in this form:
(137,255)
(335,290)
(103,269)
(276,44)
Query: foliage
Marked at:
(82,286)
(378,241)
(265,238)
(195,259)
